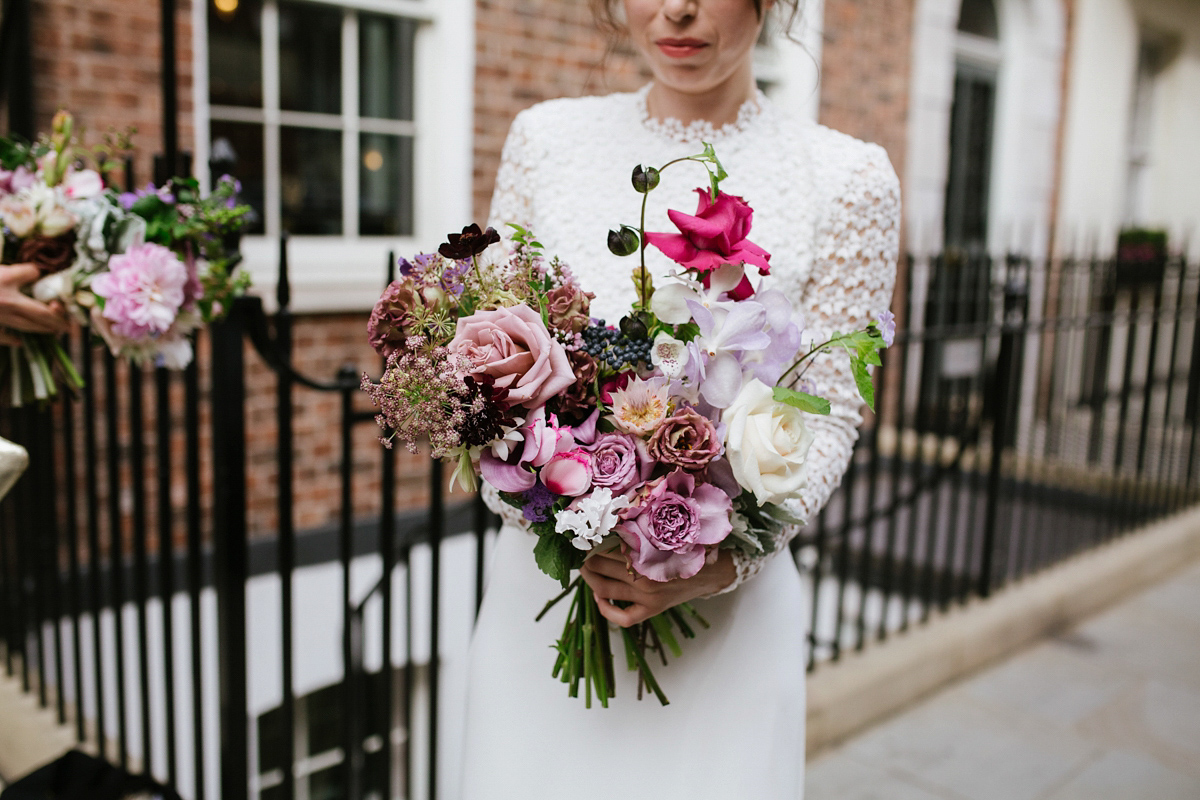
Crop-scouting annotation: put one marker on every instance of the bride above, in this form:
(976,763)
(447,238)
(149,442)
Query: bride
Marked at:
(827,209)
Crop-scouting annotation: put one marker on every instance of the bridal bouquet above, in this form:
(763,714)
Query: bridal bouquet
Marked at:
(144,269)
(669,436)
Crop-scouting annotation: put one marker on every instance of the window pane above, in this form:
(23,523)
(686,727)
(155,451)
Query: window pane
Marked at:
(310,58)
(385,185)
(385,60)
(235,52)
(311,180)
(236,149)
(978,17)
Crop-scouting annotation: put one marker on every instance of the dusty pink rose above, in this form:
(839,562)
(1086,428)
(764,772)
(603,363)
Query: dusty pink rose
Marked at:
(514,347)
(675,521)
(686,439)
(715,236)
(568,473)
(567,307)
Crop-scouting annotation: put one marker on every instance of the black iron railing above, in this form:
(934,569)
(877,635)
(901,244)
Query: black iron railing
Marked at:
(1028,410)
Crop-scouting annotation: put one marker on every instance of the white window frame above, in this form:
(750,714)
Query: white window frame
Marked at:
(346,273)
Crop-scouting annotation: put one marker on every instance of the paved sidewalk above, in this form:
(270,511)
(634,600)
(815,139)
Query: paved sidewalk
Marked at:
(1109,710)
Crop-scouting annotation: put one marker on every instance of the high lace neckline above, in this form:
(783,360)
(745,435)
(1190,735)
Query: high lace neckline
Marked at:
(676,130)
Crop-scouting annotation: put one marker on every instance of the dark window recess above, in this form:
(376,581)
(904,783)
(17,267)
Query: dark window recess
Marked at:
(310,180)
(967,186)
(235,55)
(978,17)
(236,148)
(310,58)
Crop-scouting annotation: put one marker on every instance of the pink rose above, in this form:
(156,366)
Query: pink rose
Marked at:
(514,347)
(568,473)
(567,307)
(673,524)
(715,236)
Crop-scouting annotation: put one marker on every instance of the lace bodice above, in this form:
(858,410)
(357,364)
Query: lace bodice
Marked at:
(827,208)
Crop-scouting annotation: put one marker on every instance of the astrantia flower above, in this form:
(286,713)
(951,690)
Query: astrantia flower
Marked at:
(641,406)
(143,290)
(591,518)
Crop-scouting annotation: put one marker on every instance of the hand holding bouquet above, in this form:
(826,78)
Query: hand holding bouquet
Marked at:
(659,441)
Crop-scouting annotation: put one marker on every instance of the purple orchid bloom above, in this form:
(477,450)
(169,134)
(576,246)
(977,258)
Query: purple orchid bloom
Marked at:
(722,336)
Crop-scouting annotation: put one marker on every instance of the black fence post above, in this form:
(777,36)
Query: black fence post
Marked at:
(1002,391)
(230,561)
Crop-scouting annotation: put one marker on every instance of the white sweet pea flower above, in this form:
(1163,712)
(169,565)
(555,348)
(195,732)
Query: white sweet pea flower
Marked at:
(591,518)
(669,354)
(174,352)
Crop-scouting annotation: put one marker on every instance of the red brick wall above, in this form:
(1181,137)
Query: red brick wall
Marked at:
(532,50)
(865,67)
(102,61)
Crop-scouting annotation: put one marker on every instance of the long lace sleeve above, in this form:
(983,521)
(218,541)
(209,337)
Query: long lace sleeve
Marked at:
(512,199)
(854,271)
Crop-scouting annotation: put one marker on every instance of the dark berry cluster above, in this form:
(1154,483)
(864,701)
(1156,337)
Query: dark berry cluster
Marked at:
(614,348)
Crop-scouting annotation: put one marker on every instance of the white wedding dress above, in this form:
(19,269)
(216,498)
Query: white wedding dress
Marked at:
(827,209)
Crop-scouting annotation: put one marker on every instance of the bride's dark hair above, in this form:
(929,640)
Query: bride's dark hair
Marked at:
(609,20)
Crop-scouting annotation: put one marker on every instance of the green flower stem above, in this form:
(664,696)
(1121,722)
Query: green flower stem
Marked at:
(812,352)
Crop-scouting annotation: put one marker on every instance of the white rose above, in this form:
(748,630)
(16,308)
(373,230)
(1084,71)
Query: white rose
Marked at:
(766,443)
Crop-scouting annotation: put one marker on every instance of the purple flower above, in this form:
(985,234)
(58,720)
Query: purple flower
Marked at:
(619,461)
(538,502)
(723,335)
(128,199)
(673,524)
(143,290)
(887,326)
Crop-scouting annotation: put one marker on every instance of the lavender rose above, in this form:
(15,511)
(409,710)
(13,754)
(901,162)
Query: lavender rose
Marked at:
(686,439)
(619,461)
(671,527)
(513,346)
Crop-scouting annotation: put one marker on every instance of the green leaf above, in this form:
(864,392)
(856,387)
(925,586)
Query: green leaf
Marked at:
(801,400)
(862,378)
(556,556)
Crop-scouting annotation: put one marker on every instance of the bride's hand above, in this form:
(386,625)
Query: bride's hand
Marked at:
(611,579)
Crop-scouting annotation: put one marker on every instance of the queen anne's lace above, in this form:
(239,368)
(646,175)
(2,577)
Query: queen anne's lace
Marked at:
(828,210)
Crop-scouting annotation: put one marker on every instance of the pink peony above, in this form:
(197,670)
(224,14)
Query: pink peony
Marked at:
(143,290)
(673,524)
(513,346)
(715,236)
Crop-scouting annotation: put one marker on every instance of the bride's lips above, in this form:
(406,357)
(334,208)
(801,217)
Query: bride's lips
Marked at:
(680,48)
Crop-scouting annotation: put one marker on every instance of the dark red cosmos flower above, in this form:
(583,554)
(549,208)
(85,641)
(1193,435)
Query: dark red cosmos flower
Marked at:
(471,242)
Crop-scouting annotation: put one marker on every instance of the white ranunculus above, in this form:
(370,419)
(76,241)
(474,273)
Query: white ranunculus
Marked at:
(766,443)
